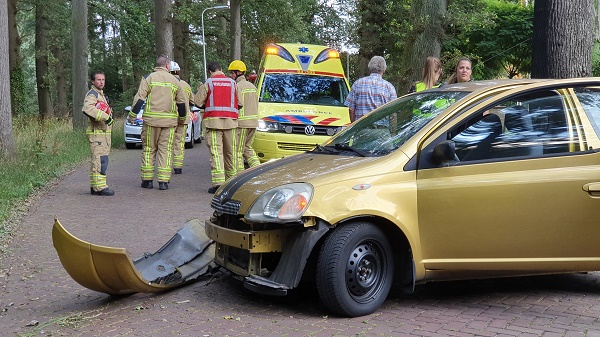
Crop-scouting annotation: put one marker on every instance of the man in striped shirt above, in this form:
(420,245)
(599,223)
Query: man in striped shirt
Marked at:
(370,92)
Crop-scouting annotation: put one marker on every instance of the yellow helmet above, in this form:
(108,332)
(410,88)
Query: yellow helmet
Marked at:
(237,65)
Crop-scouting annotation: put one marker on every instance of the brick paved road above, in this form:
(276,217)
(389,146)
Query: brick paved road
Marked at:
(38,298)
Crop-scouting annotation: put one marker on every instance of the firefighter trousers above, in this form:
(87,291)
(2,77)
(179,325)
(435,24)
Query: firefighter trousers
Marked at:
(221,144)
(157,147)
(244,150)
(99,149)
(179,147)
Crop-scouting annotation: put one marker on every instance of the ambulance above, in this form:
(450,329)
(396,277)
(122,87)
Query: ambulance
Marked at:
(302,89)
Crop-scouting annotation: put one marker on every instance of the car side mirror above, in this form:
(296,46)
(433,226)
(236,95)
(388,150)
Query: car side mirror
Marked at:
(444,152)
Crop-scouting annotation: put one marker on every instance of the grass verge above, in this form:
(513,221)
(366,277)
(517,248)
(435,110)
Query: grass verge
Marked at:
(45,151)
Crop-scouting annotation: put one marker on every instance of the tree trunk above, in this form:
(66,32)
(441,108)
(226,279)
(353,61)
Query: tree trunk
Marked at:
(62,109)
(181,34)
(41,59)
(17,81)
(372,20)
(562,43)
(236,29)
(80,61)
(7,143)
(164,27)
(424,40)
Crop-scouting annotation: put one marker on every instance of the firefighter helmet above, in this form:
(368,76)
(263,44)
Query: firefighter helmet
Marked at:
(237,65)
(174,67)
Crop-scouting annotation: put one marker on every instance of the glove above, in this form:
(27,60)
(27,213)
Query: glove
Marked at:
(102,106)
(109,121)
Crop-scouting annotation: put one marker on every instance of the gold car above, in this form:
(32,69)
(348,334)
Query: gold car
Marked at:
(481,179)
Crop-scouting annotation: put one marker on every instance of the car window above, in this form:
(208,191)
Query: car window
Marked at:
(590,101)
(525,126)
(304,89)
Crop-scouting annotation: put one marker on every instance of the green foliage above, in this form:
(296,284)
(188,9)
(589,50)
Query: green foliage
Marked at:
(46,149)
(596,59)
(497,38)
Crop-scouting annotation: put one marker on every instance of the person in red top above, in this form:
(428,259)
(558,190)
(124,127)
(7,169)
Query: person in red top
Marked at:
(221,99)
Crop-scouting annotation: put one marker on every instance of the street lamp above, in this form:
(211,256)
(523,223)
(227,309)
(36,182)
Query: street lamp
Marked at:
(203,40)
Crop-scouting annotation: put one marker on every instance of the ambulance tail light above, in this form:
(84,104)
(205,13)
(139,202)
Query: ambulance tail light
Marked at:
(326,55)
(273,49)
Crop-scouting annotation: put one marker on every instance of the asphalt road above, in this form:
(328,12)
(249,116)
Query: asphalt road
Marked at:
(38,298)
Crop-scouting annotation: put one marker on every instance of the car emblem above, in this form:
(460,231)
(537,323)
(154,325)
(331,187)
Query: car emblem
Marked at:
(222,197)
(309,130)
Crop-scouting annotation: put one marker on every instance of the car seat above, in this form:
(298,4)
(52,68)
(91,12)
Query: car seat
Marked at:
(490,125)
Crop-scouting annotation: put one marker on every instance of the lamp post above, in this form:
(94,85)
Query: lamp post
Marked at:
(203,40)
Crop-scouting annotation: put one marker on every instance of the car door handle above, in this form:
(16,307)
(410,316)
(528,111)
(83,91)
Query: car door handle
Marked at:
(593,189)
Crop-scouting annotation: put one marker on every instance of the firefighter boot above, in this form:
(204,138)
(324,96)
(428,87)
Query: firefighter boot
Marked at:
(163,186)
(177,170)
(105,191)
(147,183)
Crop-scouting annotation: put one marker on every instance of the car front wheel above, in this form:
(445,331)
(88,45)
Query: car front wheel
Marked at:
(355,269)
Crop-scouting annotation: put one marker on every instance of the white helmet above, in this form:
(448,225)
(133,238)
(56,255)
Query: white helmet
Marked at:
(174,66)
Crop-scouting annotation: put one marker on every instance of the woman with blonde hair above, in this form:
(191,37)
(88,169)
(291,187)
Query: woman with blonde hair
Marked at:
(431,75)
(462,72)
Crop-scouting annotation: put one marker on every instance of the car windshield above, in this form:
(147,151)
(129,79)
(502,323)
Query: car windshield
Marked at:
(387,128)
(303,89)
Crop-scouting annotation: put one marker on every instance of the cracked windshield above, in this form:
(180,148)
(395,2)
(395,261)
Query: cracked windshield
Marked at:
(387,128)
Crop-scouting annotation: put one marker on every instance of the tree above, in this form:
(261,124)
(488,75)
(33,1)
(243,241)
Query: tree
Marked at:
(164,27)
(236,29)
(80,60)
(424,40)
(496,38)
(17,81)
(41,58)
(562,38)
(7,144)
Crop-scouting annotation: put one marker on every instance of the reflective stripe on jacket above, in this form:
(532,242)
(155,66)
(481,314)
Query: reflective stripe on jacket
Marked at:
(249,111)
(161,91)
(96,117)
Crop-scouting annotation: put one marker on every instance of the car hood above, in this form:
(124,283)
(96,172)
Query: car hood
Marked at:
(315,169)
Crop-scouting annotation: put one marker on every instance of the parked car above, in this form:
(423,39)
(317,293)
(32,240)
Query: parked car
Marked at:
(133,130)
(472,180)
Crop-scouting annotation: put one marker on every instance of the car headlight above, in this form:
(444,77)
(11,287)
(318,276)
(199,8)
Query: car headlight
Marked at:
(266,126)
(281,204)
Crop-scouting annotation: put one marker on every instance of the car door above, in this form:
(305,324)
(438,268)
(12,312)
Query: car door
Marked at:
(520,196)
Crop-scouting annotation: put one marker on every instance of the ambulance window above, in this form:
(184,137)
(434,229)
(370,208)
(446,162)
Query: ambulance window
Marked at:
(304,89)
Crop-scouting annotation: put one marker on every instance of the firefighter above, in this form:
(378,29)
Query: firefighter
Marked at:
(181,129)
(220,97)
(164,109)
(95,106)
(247,119)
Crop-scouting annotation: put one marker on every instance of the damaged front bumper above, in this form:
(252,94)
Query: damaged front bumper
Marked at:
(270,261)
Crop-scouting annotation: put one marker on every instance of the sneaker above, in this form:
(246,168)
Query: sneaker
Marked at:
(163,186)
(105,191)
(147,183)
(177,170)
(213,189)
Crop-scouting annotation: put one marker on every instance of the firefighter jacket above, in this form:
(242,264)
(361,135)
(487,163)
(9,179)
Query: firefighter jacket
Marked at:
(95,106)
(221,98)
(189,95)
(249,110)
(162,92)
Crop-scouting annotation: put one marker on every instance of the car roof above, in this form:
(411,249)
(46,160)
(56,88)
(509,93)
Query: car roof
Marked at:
(486,84)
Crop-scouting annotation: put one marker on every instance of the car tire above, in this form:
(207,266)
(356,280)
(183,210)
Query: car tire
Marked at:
(130,146)
(189,145)
(355,269)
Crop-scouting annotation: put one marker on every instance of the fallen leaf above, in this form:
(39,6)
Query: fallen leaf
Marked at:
(33,323)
